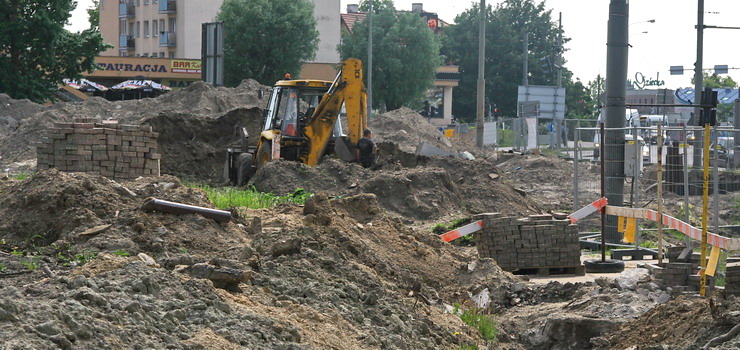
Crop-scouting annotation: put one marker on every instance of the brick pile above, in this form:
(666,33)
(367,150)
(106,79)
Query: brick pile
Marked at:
(539,241)
(680,276)
(108,148)
(732,278)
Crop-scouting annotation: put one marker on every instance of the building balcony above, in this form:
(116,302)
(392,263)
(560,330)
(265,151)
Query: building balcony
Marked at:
(167,39)
(167,6)
(125,10)
(125,41)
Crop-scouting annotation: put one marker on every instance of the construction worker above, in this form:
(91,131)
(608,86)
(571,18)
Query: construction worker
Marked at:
(366,149)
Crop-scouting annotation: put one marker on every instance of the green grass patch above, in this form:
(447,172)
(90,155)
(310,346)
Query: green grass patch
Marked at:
(505,137)
(485,324)
(21,176)
(121,252)
(3,267)
(232,197)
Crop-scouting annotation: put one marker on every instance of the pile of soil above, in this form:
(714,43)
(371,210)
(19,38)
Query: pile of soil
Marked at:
(549,178)
(419,188)
(336,273)
(684,323)
(208,116)
(407,129)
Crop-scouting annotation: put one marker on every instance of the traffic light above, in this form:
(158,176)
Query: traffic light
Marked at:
(709,101)
(495,112)
(546,64)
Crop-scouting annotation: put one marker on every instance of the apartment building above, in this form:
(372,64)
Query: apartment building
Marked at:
(155,28)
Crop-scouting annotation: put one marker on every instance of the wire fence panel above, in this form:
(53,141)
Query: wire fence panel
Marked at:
(682,180)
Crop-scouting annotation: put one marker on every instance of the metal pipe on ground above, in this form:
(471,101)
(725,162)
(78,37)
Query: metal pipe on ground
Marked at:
(153,204)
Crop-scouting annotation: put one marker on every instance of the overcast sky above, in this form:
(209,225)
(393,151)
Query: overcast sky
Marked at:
(670,41)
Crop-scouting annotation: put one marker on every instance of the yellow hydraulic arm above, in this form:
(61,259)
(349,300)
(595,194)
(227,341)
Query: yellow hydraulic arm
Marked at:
(348,89)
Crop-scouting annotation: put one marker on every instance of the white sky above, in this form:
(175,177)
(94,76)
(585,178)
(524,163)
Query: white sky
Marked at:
(670,41)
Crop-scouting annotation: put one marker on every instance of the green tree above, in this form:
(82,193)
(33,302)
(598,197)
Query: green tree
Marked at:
(597,88)
(505,28)
(578,100)
(93,14)
(405,55)
(265,39)
(36,52)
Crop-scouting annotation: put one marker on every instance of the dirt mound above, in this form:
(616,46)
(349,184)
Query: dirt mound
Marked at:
(333,274)
(683,323)
(406,128)
(57,207)
(19,133)
(549,178)
(194,147)
(415,187)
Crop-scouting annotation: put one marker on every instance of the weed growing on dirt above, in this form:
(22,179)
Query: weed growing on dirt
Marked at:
(468,347)
(16,252)
(468,240)
(231,197)
(120,252)
(84,257)
(648,244)
(22,176)
(31,265)
(3,267)
(472,317)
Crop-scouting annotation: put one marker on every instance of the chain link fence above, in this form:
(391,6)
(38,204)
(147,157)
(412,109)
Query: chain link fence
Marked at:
(682,180)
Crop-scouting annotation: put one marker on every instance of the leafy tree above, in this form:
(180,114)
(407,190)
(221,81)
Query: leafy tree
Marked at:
(597,88)
(264,39)
(93,14)
(36,52)
(505,28)
(578,100)
(405,54)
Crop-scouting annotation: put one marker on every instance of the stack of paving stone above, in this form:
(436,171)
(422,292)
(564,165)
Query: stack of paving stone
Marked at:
(732,278)
(674,275)
(109,149)
(539,241)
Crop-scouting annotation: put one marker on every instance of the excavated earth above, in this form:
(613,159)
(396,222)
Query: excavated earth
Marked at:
(356,267)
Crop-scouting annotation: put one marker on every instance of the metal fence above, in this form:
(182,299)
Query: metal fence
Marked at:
(682,180)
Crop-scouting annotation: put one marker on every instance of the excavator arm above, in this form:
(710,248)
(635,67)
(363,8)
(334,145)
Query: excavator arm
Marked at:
(349,89)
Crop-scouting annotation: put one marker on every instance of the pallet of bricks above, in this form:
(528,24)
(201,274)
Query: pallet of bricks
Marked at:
(680,274)
(538,244)
(107,148)
(732,278)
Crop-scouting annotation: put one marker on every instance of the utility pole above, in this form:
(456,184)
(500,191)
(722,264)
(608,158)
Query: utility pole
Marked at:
(559,59)
(370,61)
(481,76)
(525,64)
(616,81)
(698,81)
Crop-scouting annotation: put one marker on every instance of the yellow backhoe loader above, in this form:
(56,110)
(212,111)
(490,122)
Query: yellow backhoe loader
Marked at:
(302,123)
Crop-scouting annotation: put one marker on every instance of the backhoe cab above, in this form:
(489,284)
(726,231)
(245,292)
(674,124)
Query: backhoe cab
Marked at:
(302,122)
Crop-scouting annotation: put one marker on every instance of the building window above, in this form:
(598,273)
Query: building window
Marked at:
(131,28)
(173,25)
(146,29)
(122,27)
(154,54)
(144,55)
(146,2)
(172,54)
(161,26)
(161,54)
(123,53)
(155,28)
(137,29)
(155,2)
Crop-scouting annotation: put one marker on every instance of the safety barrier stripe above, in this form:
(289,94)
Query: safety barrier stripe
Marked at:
(462,231)
(676,224)
(587,210)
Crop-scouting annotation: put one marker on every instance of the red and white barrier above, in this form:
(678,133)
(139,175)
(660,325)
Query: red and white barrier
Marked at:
(587,210)
(676,224)
(462,231)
